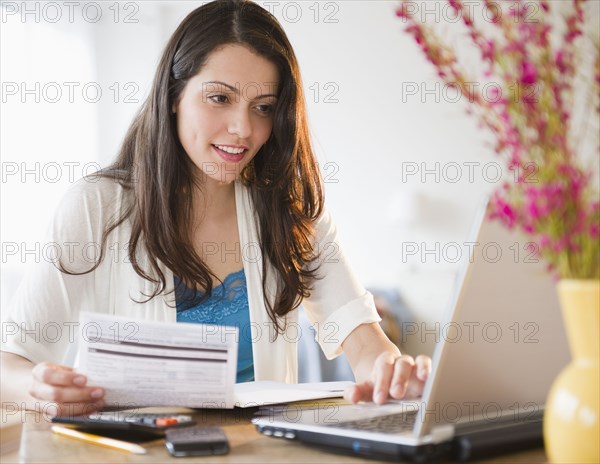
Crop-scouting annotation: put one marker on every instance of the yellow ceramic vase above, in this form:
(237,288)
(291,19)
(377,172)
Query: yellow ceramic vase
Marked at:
(571,431)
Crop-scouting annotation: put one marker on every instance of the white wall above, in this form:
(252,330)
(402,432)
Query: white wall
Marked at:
(369,140)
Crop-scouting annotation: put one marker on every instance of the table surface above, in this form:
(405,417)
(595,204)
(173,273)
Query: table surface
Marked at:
(39,444)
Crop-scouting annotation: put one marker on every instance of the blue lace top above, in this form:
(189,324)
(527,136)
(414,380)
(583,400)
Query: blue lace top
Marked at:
(227,306)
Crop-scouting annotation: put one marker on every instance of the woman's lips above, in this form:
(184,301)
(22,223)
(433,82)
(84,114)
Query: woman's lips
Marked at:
(230,157)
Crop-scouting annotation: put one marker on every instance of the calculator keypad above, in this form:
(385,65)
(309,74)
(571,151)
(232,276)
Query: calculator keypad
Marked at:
(153,420)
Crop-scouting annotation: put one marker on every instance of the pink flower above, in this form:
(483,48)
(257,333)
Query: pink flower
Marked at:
(528,73)
(546,29)
(513,47)
(533,211)
(488,50)
(560,245)
(493,10)
(572,35)
(503,211)
(533,248)
(402,12)
(529,228)
(495,92)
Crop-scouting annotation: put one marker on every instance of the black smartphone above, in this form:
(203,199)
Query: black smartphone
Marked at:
(196,441)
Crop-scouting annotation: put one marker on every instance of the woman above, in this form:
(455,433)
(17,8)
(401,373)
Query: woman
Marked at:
(212,212)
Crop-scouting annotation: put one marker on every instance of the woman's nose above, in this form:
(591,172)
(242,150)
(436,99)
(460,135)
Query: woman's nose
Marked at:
(240,124)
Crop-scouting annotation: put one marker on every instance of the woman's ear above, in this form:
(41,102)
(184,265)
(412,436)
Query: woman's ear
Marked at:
(174,106)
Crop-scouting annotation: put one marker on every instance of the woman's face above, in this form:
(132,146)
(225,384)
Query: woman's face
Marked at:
(225,112)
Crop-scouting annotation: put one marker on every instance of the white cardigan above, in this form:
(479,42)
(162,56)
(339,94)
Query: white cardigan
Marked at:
(42,322)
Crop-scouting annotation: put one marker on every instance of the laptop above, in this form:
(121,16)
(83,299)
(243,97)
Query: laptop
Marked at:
(501,345)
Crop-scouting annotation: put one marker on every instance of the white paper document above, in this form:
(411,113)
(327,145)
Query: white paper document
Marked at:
(147,363)
(262,393)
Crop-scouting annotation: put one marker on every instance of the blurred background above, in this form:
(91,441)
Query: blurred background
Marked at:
(405,167)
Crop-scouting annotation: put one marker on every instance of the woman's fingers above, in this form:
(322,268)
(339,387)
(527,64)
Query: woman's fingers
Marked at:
(383,372)
(396,378)
(359,392)
(423,367)
(55,374)
(404,367)
(66,389)
(419,377)
(59,394)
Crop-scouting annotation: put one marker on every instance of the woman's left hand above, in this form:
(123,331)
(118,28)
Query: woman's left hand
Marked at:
(392,377)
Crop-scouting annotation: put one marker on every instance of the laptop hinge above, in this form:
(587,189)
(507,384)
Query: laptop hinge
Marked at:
(441,433)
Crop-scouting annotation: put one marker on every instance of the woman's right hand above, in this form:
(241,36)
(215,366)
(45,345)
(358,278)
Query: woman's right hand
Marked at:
(66,389)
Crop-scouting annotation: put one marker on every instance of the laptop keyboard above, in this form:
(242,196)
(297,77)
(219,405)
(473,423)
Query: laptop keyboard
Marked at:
(392,423)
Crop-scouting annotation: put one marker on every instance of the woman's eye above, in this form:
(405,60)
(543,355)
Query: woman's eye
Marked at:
(266,109)
(219,98)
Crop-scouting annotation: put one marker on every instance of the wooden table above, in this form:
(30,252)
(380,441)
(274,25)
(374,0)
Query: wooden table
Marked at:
(39,444)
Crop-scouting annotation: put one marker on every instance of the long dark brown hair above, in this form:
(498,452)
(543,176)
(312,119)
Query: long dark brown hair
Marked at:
(283,178)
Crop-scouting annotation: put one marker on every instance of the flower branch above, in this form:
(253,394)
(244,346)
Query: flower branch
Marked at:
(534,66)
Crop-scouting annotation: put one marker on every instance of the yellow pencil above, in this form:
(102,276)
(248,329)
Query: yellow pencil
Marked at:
(98,440)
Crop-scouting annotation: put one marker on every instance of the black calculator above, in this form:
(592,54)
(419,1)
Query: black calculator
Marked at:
(126,420)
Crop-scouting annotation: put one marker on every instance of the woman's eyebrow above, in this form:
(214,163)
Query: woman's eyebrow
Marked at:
(236,90)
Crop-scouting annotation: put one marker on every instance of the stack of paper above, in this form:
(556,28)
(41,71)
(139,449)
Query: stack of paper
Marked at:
(144,363)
